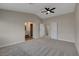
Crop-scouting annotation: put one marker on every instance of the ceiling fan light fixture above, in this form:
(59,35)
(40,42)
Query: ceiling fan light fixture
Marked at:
(48,10)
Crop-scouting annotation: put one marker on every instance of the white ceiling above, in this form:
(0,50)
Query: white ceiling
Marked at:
(36,8)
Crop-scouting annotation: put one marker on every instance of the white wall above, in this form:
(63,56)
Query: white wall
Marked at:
(12,26)
(77,26)
(66,30)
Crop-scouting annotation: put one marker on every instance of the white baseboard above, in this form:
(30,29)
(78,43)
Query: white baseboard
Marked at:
(11,44)
(77,48)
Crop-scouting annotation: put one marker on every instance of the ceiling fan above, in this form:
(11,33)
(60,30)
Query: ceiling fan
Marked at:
(48,10)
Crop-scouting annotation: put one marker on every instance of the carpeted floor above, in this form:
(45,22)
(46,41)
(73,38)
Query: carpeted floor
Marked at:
(40,47)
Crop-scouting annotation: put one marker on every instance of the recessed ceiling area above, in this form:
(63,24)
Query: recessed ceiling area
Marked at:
(36,8)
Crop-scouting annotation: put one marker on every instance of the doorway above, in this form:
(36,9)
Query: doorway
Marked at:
(28,30)
(31,30)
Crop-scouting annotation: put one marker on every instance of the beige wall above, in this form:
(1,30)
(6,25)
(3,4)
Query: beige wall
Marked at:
(66,28)
(12,26)
(77,26)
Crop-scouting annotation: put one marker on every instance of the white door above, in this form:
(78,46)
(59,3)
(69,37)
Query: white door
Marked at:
(35,30)
(42,30)
(53,30)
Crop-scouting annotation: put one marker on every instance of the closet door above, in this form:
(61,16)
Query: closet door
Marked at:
(42,30)
(53,30)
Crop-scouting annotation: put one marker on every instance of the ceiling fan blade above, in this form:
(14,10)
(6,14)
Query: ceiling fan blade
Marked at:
(52,8)
(47,9)
(46,13)
(52,11)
